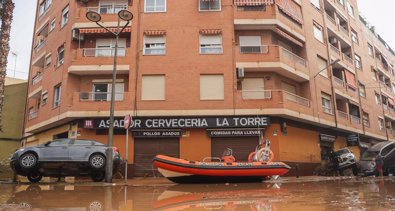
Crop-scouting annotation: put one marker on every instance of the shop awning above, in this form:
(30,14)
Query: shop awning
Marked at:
(101,30)
(253,2)
(288,37)
(292,9)
(350,78)
(210,31)
(154,32)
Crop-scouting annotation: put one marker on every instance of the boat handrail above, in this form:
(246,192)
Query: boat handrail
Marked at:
(212,158)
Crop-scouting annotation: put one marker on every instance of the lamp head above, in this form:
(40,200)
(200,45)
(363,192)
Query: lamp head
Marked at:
(125,15)
(93,16)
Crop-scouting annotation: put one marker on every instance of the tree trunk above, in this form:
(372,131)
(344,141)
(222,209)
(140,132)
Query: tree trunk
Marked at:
(6,19)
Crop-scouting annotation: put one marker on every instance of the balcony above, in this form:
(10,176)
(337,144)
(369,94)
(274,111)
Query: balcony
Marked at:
(96,61)
(355,120)
(273,100)
(39,46)
(100,101)
(108,13)
(273,59)
(33,115)
(344,90)
(36,80)
(347,59)
(389,112)
(335,51)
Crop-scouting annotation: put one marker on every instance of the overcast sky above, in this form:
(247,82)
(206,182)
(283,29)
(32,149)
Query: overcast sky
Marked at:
(380,13)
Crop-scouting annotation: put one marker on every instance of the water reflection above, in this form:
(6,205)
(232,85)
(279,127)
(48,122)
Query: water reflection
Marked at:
(352,194)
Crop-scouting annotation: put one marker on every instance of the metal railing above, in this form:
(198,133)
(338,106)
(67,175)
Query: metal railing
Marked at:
(347,58)
(103,52)
(100,96)
(296,99)
(342,114)
(331,19)
(36,79)
(292,56)
(108,9)
(40,45)
(345,31)
(254,49)
(338,81)
(33,115)
(336,50)
(355,119)
(256,94)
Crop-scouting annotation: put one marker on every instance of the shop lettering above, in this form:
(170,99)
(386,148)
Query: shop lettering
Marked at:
(175,123)
(106,123)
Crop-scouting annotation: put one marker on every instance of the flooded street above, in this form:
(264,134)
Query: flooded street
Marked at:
(346,194)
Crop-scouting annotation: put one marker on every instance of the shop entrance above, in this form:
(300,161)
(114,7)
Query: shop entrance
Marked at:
(146,149)
(241,146)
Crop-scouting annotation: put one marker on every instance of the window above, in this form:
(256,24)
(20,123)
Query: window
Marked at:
(316,3)
(252,8)
(211,87)
(377,98)
(209,5)
(48,60)
(254,88)
(44,6)
(155,6)
(59,142)
(354,36)
(44,98)
(60,55)
(365,119)
(251,44)
(381,123)
(370,50)
(326,103)
(154,45)
(105,48)
(102,91)
(52,25)
(318,34)
(341,2)
(153,87)
(358,62)
(374,77)
(387,149)
(211,44)
(322,66)
(57,95)
(362,91)
(65,16)
(350,9)
(112,7)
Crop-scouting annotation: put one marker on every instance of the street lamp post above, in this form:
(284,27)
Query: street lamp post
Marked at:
(96,17)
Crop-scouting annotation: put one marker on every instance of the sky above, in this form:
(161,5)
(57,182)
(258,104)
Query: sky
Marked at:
(380,13)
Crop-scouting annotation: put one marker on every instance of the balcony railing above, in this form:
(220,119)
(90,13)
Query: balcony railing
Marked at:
(40,45)
(100,96)
(36,79)
(342,114)
(296,98)
(347,58)
(108,9)
(288,54)
(254,49)
(256,94)
(338,81)
(355,119)
(345,31)
(334,49)
(33,115)
(103,52)
(331,19)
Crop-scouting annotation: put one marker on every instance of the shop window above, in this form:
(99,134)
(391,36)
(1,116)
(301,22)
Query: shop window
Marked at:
(212,87)
(153,87)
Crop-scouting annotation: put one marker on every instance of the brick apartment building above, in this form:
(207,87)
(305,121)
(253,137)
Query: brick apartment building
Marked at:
(202,75)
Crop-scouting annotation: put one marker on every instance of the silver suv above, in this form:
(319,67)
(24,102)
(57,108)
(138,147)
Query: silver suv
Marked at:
(345,158)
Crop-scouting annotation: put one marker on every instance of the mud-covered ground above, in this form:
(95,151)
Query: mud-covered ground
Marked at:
(285,194)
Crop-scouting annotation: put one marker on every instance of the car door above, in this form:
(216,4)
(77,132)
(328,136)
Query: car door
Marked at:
(80,150)
(57,150)
(389,156)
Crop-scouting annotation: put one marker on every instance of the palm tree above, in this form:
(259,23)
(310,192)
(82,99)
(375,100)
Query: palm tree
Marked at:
(7,9)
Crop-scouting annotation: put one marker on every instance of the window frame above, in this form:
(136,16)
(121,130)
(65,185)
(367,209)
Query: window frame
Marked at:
(210,10)
(365,119)
(155,4)
(325,98)
(61,51)
(318,7)
(57,95)
(210,46)
(64,21)
(154,48)
(362,87)
(320,29)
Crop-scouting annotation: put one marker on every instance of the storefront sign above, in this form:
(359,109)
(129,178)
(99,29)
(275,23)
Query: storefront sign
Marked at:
(156,133)
(236,132)
(182,122)
(327,138)
(353,140)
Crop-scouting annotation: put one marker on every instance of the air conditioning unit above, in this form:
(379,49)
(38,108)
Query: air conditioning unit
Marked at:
(240,72)
(77,35)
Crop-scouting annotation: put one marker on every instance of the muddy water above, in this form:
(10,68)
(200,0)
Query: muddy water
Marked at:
(352,194)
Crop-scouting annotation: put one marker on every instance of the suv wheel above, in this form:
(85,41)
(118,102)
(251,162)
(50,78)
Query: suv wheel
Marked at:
(98,176)
(34,177)
(97,161)
(28,160)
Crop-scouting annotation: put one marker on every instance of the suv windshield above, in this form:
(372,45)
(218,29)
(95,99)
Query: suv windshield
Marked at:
(342,151)
(369,155)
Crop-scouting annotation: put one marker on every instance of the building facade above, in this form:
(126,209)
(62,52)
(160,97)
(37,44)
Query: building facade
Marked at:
(199,76)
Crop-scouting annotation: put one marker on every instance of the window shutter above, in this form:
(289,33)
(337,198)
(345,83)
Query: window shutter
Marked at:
(153,87)
(250,40)
(210,39)
(154,39)
(211,87)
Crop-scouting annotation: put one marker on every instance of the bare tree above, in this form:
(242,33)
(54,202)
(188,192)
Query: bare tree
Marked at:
(7,9)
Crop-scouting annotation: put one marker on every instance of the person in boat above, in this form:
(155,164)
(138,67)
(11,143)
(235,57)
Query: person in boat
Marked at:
(262,153)
(227,156)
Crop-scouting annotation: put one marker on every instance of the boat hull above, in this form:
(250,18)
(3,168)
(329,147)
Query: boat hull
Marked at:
(183,171)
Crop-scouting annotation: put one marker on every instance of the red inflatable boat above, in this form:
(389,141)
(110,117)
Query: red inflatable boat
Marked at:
(184,171)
